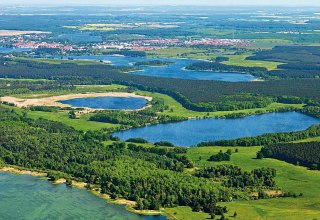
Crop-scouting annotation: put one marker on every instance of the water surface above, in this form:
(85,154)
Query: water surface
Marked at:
(174,70)
(80,37)
(114,103)
(192,132)
(27,197)
(13,50)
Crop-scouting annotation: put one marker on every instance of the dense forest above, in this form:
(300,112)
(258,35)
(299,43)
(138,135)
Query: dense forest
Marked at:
(290,54)
(299,61)
(153,63)
(294,73)
(220,67)
(192,94)
(261,177)
(11,86)
(305,153)
(313,111)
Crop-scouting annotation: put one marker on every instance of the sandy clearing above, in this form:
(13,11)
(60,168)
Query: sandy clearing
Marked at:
(54,100)
(6,33)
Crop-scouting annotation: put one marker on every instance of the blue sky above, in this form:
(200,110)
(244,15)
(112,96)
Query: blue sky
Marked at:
(167,2)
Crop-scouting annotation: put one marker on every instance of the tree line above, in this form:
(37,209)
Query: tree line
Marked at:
(304,154)
(236,177)
(267,139)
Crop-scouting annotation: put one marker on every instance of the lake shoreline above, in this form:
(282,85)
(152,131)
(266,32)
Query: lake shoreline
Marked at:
(195,131)
(54,100)
(129,205)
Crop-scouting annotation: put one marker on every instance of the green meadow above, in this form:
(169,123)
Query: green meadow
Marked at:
(290,178)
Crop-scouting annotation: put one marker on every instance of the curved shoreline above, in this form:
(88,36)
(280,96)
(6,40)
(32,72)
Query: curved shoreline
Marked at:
(54,100)
(129,205)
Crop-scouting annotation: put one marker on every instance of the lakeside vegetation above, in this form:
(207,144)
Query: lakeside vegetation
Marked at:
(140,160)
(268,139)
(116,167)
(153,63)
(271,176)
(219,67)
(163,106)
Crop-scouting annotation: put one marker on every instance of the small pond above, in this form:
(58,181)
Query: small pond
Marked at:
(113,103)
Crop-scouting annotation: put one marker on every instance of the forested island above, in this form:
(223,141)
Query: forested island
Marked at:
(220,67)
(153,63)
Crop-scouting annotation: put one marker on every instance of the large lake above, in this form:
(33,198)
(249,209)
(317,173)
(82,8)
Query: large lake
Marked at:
(113,103)
(174,70)
(192,132)
(27,197)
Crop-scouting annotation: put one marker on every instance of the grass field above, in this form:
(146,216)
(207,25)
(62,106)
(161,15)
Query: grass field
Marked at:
(179,110)
(240,60)
(81,123)
(308,140)
(268,43)
(177,52)
(289,177)
(198,54)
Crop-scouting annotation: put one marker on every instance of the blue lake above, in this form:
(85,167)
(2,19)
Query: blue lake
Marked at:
(174,70)
(79,37)
(192,132)
(13,50)
(114,103)
(27,197)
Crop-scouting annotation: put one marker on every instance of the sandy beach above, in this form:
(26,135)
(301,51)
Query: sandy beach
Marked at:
(82,185)
(24,172)
(54,100)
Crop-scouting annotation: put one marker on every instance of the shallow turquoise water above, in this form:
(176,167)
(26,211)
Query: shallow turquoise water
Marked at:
(114,103)
(192,132)
(27,197)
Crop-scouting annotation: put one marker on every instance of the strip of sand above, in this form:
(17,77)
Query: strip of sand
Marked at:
(54,100)
(81,185)
(7,33)
(24,172)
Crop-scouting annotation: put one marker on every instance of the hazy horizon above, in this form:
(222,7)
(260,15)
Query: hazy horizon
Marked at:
(168,2)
